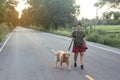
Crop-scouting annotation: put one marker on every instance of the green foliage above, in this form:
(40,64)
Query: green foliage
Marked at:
(8,13)
(114,3)
(111,15)
(103,37)
(62,31)
(51,14)
(91,23)
(112,40)
(2,13)
(11,14)
(96,36)
(108,22)
(2,1)
(3,31)
(109,28)
(40,28)
(100,35)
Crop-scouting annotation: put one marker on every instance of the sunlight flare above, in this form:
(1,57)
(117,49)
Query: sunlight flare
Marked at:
(22,4)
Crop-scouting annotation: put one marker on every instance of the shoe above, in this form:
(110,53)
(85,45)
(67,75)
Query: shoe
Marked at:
(82,67)
(75,64)
(86,47)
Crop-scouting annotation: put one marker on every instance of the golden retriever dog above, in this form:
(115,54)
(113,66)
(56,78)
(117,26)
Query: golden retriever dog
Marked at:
(62,57)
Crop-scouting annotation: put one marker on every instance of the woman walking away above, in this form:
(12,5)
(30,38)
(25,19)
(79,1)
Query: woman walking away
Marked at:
(79,45)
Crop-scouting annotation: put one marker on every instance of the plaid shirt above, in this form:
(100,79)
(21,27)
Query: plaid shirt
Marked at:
(78,35)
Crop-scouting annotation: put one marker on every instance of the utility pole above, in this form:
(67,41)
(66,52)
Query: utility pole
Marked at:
(97,17)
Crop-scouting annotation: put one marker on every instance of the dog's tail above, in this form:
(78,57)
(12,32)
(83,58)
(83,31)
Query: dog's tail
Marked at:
(53,51)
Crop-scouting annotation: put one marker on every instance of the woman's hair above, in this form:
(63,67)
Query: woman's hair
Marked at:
(79,23)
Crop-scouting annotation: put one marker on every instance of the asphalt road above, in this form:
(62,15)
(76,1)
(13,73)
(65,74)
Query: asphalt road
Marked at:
(27,56)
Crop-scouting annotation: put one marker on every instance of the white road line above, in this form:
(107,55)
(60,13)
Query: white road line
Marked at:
(118,52)
(6,42)
(105,49)
(88,77)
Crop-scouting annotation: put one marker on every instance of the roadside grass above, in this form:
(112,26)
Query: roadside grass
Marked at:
(108,34)
(3,31)
(40,28)
(109,28)
(112,39)
(62,31)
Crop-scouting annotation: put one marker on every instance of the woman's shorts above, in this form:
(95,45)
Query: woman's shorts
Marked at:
(77,49)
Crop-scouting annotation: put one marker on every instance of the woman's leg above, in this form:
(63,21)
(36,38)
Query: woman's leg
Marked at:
(75,59)
(82,59)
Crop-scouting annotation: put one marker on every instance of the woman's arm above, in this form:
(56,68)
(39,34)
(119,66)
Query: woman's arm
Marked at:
(73,36)
(85,42)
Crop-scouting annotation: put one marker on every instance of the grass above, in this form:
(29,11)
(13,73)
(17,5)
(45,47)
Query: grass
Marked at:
(104,34)
(109,28)
(104,38)
(3,31)
(99,35)
(62,31)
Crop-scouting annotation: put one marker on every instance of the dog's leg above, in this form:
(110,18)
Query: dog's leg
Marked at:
(61,64)
(57,60)
(68,65)
(56,64)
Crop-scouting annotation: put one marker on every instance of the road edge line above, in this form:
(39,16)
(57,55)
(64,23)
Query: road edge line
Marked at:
(104,48)
(6,42)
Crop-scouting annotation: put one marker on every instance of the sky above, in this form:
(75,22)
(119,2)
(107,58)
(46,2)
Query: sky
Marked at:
(87,9)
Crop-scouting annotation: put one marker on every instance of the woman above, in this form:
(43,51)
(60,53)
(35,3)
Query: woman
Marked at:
(79,45)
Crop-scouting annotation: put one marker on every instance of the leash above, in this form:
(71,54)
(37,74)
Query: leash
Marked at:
(70,45)
(52,49)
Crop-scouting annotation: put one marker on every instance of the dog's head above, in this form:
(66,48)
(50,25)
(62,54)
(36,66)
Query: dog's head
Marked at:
(66,55)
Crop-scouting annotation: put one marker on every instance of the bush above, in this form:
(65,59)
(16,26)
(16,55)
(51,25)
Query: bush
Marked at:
(98,36)
(103,37)
(39,28)
(62,32)
(94,37)
(112,40)
(3,31)
(101,32)
(107,40)
(0,38)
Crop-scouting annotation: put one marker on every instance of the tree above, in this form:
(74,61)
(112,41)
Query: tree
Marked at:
(110,17)
(52,13)
(116,15)
(11,13)
(2,13)
(114,3)
(2,1)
